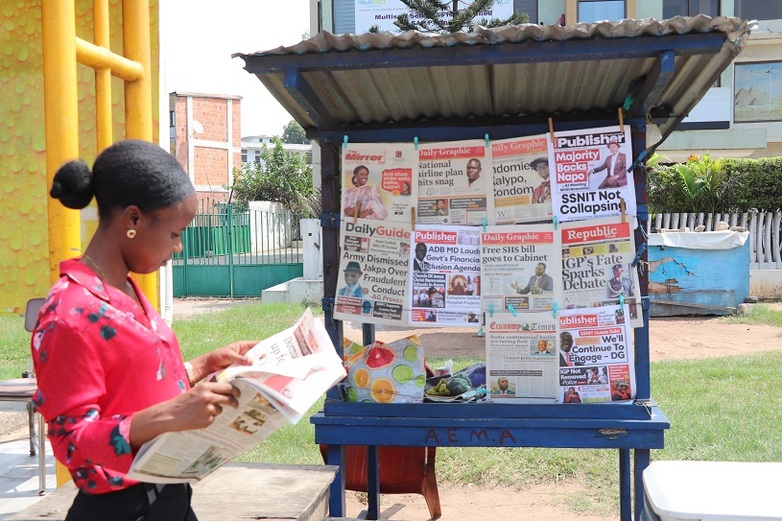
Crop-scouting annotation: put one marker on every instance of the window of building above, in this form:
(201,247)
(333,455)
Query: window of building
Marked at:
(673,8)
(244,155)
(596,10)
(758,9)
(171,118)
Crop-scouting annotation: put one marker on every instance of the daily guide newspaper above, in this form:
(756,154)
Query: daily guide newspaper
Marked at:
(290,372)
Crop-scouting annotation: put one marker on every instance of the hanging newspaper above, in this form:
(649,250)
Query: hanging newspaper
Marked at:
(378,181)
(521,360)
(445,285)
(595,355)
(597,265)
(520,268)
(590,173)
(374,269)
(522,188)
(452,185)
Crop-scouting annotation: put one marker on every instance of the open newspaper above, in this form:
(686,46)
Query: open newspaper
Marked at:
(290,372)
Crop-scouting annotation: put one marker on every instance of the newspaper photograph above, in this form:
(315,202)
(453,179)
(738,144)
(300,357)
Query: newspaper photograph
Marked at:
(597,265)
(595,355)
(521,357)
(590,173)
(520,268)
(445,279)
(454,183)
(290,372)
(522,188)
(374,270)
(378,181)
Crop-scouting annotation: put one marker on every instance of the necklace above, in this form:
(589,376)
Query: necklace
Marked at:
(96,268)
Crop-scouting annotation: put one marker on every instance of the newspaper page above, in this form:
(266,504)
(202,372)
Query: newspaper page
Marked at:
(521,357)
(445,282)
(290,372)
(522,187)
(379,181)
(590,173)
(595,355)
(597,265)
(520,268)
(374,267)
(454,183)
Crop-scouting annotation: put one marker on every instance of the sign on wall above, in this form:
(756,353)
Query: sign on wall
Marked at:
(383,13)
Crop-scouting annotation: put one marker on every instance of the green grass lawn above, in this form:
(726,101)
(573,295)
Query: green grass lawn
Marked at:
(720,409)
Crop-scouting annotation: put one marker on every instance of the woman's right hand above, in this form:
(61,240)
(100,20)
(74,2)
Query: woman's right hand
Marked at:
(194,409)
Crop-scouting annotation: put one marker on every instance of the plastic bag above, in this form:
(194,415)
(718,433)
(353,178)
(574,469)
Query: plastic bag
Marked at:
(385,373)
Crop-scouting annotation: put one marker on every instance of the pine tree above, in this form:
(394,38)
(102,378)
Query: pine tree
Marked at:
(446,17)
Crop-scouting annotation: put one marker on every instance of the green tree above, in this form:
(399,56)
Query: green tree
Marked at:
(446,17)
(293,133)
(280,176)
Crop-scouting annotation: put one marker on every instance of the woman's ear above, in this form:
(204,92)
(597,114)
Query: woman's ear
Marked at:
(131,216)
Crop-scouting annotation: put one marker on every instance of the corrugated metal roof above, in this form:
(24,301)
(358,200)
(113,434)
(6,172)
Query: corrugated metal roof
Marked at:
(513,75)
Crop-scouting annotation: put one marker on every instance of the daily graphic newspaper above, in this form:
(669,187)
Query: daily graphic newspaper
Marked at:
(595,355)
(522,186)
(590,178)
(290,372)
(378,181)
(521,357)
(454,183)
(597,265)
(445,282)
(374,272)
(520,268)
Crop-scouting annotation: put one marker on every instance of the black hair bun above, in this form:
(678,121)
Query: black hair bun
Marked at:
(73,185)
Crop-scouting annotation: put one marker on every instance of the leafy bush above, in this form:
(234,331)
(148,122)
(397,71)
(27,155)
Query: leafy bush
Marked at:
(756,183)
(706,185)
(280,176)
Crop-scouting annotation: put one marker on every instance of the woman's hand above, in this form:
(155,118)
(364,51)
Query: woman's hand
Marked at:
(221,358)
(194,409)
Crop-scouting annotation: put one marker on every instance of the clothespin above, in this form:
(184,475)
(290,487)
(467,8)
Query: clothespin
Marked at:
(556,222)
(551,129)
(621,301)
(356,210)
(629,100)
(554,309)
(415,142)
(512,310)
(641,250)
(621,119)
(491,310)
(412,218)
(345,141)
(484,225)
(486,138)
(480,332)
(623,208)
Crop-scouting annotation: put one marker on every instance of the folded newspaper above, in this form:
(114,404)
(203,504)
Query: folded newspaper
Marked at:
(290,372)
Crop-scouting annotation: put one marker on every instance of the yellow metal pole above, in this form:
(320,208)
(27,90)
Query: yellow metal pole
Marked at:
(61,114)
(102,75)
(138,99)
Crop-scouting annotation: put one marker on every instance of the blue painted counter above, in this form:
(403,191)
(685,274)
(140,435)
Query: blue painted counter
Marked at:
(697,272)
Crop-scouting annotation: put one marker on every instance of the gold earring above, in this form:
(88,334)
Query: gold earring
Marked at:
(130,233)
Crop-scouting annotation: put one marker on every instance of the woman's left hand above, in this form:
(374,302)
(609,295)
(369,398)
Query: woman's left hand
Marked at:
(221,358)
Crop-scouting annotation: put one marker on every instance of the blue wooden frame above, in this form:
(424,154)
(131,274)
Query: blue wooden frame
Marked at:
(632,429)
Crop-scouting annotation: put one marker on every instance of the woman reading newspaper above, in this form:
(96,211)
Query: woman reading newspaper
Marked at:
(110,372)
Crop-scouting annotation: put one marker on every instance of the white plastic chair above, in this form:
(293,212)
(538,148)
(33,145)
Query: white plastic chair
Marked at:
(22,390)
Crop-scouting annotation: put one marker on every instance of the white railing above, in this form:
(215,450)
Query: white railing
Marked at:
(765,239)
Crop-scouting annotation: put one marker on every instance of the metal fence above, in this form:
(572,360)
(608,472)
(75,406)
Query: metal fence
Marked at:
(765,240)
(230,253)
